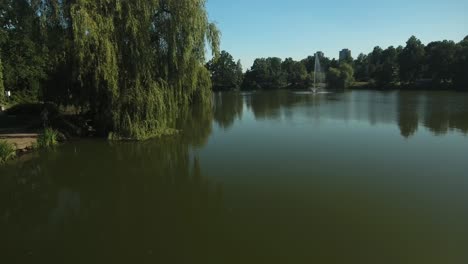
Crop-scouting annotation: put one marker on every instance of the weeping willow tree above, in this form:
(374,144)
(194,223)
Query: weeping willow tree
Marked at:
(140,62)
(2,88)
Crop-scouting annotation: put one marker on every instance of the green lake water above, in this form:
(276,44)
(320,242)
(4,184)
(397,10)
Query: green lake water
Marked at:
(266,177)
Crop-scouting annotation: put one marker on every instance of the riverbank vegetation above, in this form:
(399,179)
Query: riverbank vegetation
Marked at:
(48,139)
(438,65)
(128,66)
(7,151)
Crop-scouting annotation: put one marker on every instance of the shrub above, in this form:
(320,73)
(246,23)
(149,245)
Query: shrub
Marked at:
(341,77)
(47,139)
(7,151)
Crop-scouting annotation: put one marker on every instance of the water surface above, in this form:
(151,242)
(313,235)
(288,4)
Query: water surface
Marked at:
(266,177)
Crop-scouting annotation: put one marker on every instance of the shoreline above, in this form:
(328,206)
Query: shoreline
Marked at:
(22,142)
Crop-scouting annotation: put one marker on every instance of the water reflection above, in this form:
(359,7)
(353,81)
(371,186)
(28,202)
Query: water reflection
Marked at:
(323,179)
(408,117)
(445,111)
(438,112)
(228,107)
(100,202)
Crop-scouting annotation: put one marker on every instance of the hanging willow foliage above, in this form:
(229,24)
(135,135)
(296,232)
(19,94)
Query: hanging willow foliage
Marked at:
(2,88)
(140,62)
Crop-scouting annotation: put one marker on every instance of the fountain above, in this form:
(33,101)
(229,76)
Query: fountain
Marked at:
(319,78)
(318,74)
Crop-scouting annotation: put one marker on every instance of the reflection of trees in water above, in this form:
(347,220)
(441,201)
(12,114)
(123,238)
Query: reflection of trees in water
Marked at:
(408,118)
(96,198)
(227,107)
(196,125)
(439,112)
(275,104)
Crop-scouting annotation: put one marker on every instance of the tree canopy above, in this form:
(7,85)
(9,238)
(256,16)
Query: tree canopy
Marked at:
(442,63)
(460,65)
(226,74)
(131,65)
(411,60)
(341,77)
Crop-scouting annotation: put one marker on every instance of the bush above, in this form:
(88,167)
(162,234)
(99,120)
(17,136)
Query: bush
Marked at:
(7,151)
(341,77)
(47,139)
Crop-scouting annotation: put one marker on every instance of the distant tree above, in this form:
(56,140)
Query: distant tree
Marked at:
(295,72)
(349,60)
(342,77)
(333,64)
(374,60)
(239,73)
(460,66)
(325,63)
(276,77)
(225,72)
(309,63)
(386,71)
(265,74)
(440,56)
(411,60)
(361,68)
(333,78)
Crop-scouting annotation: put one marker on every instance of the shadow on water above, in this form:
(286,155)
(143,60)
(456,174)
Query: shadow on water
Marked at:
(142,201)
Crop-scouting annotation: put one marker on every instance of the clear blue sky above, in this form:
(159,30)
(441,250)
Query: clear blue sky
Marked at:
(297,28)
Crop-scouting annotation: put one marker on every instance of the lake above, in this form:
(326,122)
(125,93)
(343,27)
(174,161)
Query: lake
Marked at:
(264,177)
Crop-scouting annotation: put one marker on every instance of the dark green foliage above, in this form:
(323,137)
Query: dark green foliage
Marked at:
(374,60)
(226,74)
(273,73)
(131,65)
(342,77)
(460,66)
(22,52)
(295,72)
(440,56)
(411,60)
(386,71)
(265,74)
(361,68)
(441,63)
(309,63)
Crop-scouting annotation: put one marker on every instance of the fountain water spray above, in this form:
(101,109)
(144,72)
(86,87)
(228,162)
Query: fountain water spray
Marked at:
(318,76)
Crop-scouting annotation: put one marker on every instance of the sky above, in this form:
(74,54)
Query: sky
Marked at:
(298,28)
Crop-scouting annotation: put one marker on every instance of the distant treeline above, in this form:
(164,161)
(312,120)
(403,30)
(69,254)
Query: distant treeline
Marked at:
(129,66)
(440,64)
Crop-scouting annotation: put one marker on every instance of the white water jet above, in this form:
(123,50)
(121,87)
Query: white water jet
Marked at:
(318,74)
